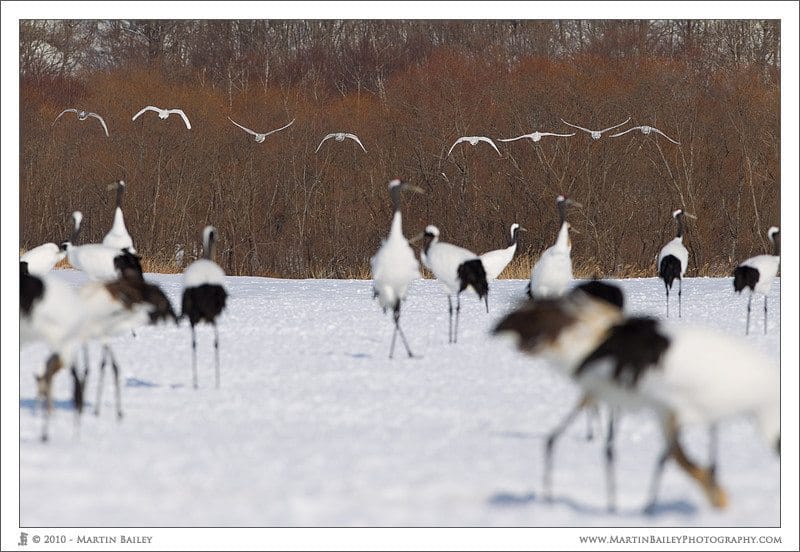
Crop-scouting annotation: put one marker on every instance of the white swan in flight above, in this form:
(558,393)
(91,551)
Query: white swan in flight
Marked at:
(535,136)
(596,133)
(340,136)
(259,137)
(473,140)
(82,116)
(646,130)
(164,113)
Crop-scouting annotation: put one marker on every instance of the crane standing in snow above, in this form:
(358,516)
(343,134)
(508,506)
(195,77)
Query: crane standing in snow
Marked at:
(395,266)
(758,273)
(552,273)
(673,259)
(204,296)
(118,237)
(457,269)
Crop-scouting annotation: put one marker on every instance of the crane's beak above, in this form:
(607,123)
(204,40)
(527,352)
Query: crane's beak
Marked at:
(522,229)
(415,189)
(691,216)
(574,204)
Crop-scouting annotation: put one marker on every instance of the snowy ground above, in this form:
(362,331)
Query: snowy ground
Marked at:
(315,426)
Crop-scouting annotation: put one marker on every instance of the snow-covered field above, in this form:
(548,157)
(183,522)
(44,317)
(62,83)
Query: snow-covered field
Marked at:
(314,426)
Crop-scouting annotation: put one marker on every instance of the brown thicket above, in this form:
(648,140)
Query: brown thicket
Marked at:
(408,89)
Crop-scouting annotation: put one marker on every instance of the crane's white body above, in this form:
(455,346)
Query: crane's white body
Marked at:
(495,262)
(676,248)
(57,318)
(203,271)
(95,259)
(552,273)
(443,259)
(703,377)
(42,258)
(394,266)
(118,237)
(767,267)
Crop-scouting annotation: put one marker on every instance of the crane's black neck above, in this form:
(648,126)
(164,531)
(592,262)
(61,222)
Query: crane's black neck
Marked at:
(514,237)
(679,220)
(562,212)
(210,247)
(427,240)
(120,191)
(395,193)
(76,230)
(776,244)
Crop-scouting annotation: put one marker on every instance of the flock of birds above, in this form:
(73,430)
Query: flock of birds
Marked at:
(684,374)
(259,137)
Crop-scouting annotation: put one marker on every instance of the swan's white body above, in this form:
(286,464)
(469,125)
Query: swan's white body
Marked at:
(340,137)
(473,141)
(164,113)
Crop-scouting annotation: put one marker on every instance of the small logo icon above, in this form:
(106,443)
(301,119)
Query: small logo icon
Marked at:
(23,539)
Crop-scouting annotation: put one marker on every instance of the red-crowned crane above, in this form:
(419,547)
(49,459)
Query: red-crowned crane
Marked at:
(395,266)
(204,296)
(457,269)
(757,273)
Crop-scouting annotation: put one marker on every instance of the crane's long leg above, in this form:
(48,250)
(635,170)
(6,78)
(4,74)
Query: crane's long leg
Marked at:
(78,386)
(611,488)
(101,373)
(458,313)
(749,304)
(394,337)
(765,315)
(216,354)
(194,358)
(117,392)
(680,291)
(705,477)
(400,330)
(551,441)
(450,320)
(667,288)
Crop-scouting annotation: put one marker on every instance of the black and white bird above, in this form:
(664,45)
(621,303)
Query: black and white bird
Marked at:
(596,134)
(50,311)
(82,116)
(686,376)
(42,258)
(535,136)
(99,262)
(258,136)
(457,269)
(164,113)
(757,273)
(340,137)
(645,130)
(204,296)
(552,273)
(118,237)
(115,308)
(496,261)
(473,141)
(395,266)
(673,259)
